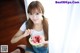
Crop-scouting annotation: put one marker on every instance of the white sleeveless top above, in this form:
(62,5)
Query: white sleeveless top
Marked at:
(33,32)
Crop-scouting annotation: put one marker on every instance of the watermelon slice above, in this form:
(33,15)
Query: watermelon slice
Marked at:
(36,40)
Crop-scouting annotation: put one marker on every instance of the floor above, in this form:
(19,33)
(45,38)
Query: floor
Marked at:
(12,15)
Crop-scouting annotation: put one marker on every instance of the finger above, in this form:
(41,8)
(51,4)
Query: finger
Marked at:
(45,42)
(30,31)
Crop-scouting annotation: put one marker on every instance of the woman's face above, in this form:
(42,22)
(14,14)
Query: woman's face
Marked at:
(36,16)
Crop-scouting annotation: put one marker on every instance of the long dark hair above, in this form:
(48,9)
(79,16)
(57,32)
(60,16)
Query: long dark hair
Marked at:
(37,5)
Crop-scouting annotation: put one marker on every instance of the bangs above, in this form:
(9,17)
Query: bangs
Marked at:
(32,10)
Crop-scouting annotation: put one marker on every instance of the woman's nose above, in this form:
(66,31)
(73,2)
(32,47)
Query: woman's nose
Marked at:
(34,17)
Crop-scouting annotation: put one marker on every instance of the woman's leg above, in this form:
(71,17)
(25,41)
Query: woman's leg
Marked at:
(22,49)
(19,49)
(16,51)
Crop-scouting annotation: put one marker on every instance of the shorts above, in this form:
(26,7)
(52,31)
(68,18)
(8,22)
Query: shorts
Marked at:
(37,49)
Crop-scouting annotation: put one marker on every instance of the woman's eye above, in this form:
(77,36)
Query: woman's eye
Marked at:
(37,13)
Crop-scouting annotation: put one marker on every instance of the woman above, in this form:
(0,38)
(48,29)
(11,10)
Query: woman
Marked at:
(37,24)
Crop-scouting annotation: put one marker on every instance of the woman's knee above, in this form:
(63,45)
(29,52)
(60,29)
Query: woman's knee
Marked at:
(19,49)
(22,46)
(16,51)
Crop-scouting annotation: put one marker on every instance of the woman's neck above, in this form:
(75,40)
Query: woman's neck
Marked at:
(38,27)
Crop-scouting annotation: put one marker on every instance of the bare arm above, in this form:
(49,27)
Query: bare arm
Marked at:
(19,35)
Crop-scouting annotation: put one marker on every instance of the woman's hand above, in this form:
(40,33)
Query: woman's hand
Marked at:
(45,43)
(27,32)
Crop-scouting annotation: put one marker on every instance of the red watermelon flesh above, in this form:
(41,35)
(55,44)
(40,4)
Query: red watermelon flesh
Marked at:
(36,39)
